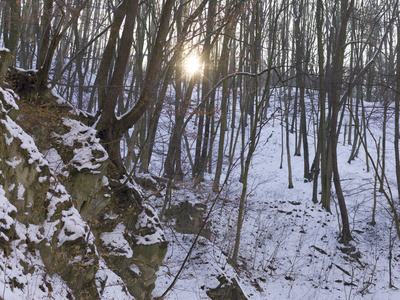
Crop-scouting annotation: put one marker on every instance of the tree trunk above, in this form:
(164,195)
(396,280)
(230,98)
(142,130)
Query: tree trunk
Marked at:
(148,149)
(334,100)
(396,114)
(110,129)
(45,34)
(206,86)
(321,155)
(12,15)
(172,165)
(230,29)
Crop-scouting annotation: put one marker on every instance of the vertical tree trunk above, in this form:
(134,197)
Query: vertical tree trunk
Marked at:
(356,126)
(334,100)
(383,158)
(321,154)
(153,125)
(205,88)
(172,166)
(222,133)
(234,102)
(230,30)
(108,131)
(107,57)
(396,115)
(198,161)
(288,157)
(12,15)
(298,14)
(365,126)
(45,34)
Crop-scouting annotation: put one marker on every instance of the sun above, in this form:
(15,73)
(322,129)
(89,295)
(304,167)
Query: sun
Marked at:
(192,64)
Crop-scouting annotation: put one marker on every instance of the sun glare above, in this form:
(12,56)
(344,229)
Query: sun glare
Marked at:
(192,64)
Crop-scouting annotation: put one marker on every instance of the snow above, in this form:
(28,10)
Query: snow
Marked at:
(135,269)
(200,274)
(8,140)
(289,246)
(14,162)
(21,192)
(22,272)
(56,163)
(110,216)
(105,181)
(5,209)
(33,232)
(74,227)
(146,221)
(26,70)
(77,129)
(56,194)
(86,136)
(27,142)
(42,179)
(60,100)
(9,97)
(116,240)
(131,184)
(110,285)
(32,284)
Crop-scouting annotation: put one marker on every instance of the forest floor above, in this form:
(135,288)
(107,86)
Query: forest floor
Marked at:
(289,246)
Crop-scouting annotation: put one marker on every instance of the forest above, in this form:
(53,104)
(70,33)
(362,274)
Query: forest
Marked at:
(263,134)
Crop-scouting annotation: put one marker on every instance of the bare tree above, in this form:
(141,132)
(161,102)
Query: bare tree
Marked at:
(111,128)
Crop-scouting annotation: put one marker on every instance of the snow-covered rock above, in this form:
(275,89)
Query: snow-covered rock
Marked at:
(57,192)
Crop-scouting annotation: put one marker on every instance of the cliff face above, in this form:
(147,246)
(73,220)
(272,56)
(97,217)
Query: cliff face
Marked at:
(67,228)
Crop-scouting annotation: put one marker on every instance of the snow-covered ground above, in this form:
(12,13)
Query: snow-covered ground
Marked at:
(289,247)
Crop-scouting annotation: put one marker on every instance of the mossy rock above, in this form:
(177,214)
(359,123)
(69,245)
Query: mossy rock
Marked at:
(74,264)
(146,258)
(25,180)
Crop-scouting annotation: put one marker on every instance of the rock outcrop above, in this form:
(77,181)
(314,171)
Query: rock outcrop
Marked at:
(66,229)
